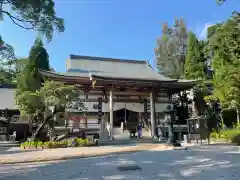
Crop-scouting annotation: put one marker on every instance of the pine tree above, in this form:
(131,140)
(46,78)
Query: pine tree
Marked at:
(29,79)
(38,56)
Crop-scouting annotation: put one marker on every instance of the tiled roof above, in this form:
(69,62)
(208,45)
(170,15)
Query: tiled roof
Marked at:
(113,68)
(87,67)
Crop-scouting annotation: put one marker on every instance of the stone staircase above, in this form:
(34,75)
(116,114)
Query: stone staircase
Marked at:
(6,143)
(119,134)
(122,138)
(9,144)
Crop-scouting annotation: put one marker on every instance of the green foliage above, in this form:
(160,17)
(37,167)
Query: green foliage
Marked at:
(194,68)
(230,135)
(54,144)
(195,61)
(171,49)
(8,70)
(6,51)
(29,79)
(38,56)
(226,61)
(212,29)
(220,1)
(20,64)
(30,103)
(50,94)
(34,97)
(38,15)
(7,76)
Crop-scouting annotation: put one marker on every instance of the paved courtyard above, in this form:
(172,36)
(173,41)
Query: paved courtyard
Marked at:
(217,162)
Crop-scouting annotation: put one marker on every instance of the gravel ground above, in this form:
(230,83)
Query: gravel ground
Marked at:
(219,162)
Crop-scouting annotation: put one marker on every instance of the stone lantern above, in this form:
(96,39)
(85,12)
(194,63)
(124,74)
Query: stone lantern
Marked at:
(169,114)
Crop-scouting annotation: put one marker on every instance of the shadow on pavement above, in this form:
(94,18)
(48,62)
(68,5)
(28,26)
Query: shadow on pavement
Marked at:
(10,150)
(165,165)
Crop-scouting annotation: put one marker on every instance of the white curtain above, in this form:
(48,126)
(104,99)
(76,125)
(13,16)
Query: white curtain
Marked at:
(118,106)
(136,107)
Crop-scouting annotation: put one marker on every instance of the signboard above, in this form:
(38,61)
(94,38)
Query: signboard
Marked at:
(76,130)
(15,118)
(99,110)
(146,109)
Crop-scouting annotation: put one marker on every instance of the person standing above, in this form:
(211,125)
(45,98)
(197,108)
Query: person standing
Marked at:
(139,129)
(109,129)
(122,125)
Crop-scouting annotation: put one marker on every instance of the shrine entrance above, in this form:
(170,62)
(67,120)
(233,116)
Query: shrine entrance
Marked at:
(124,115)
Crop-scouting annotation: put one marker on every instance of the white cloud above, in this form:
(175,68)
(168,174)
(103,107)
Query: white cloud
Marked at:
(203,33)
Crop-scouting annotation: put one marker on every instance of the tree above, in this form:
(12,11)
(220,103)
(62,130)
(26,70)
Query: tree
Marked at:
(235,95)
(195,61)
(7,58)
(20,64)
(171,49)
(195,68)
(38,56)
(226,58)
(37,105)
(170,59)
(220,1)
(29,78)
(38,15)
(225,62)
(6,51)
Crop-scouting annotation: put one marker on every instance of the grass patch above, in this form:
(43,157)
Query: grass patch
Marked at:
(229,135)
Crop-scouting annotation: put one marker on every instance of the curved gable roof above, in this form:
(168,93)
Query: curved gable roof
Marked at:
(110,68)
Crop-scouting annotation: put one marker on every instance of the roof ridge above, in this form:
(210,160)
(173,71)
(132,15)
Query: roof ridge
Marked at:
(150,66)
(78,57)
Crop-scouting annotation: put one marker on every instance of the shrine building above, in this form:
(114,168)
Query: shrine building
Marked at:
(116,90)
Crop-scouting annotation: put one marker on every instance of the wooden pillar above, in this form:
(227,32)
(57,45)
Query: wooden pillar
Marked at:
(111,113)
(103,122)
(153,113)
(125,113)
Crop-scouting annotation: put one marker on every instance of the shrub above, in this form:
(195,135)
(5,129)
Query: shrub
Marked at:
(29,144)
(53,144)
(230,135)
(214,135)
(81,142)
(236,139)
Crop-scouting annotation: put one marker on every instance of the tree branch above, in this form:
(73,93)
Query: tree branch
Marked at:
(15,19)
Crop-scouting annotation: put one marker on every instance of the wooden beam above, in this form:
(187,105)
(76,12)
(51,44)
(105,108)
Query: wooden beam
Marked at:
(125,100)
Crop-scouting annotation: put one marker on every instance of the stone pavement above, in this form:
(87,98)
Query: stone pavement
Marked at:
(15,155)
(199,163)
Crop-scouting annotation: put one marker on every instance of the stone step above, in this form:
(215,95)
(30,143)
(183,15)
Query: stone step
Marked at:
(9,144)
(125,141)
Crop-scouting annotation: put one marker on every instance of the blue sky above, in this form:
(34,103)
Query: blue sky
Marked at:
(116,28)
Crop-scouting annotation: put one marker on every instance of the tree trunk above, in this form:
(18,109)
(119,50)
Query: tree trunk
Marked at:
(33,138)
(237,110)
(199,103)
